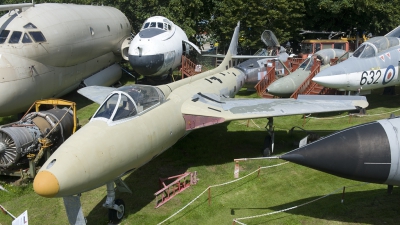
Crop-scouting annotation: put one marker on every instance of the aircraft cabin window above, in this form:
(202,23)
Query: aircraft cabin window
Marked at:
(108,27)
(30,26)
(26,38)
(368,52)
(15,37)
(37,36)
(91,31)
(121,26)
(144,96)
(108,107)
(359,51)
(3,36)
(125,109)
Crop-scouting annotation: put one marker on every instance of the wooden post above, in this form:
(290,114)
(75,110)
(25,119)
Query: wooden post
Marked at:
(209,195)
(237,169)
(344,188)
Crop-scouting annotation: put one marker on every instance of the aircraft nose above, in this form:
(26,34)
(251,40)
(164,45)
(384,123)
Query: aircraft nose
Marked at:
(360,153)
(333,77)
(283,87)
(46,184)
(146,65)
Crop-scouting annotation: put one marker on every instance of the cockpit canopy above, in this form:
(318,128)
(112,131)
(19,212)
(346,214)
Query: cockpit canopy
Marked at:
(15,36)
(374,46)
(156,22)
(129,101)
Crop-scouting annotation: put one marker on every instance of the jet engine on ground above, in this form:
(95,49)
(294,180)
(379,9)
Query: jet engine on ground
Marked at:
(20,139)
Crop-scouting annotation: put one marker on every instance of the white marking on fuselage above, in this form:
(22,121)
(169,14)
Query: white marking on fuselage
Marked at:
(390,126)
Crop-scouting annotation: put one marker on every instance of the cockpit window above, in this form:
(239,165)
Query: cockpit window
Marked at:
(26,38)
(37,36)
(3,36)
(146,25)
(359,50)
(153,24)
(125,109)
(368,52)
(306,65)
(129,101)
(160,25)
(108,107)
(144,96)
(15,37)
(30,26)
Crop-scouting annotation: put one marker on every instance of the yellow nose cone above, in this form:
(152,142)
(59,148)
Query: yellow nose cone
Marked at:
(46,184)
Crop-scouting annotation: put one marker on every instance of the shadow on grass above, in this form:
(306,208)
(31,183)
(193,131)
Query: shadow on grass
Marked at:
(366,207)
(204,147)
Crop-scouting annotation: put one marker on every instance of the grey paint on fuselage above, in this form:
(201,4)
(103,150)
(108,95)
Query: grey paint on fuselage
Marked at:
(79,41)
(286,86)
(373,65)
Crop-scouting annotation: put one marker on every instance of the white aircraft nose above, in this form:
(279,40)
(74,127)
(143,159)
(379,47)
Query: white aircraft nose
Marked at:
(333,81)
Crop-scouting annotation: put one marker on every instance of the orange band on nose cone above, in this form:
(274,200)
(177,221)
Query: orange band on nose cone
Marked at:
(46,184)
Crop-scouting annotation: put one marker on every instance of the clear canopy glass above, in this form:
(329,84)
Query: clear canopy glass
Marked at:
(129,101)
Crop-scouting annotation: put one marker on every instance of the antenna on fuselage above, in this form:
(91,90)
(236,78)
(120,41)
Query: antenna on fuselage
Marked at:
(21,6)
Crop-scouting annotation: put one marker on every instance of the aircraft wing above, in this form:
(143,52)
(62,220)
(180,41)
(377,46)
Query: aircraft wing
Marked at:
(245,56)
(193,45)
(209,109)
(96,93)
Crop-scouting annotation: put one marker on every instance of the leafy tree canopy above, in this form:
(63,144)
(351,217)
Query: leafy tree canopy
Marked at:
(284,17)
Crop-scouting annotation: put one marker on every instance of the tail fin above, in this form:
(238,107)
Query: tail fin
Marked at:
(226,64)
(232,51)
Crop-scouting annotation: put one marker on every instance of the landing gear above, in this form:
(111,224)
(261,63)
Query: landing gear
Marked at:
(169,76)
(267,146)
(115,216)
(116,207)
(269,139)
(390,189)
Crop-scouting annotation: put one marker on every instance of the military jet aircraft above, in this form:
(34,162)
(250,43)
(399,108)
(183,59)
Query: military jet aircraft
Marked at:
(373,65)
(285,86)
(157,49)
(136,123)
(47,50)
(368,152)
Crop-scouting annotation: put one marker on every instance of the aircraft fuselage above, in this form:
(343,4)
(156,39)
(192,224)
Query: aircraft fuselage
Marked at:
(125,145)
(157,49)
(47,50)
(364,72)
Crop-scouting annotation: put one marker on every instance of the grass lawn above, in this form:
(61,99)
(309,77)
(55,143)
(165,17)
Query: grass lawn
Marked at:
(210,151)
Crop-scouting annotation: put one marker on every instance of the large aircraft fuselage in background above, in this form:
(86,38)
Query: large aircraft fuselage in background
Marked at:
(48,49)
(157,49)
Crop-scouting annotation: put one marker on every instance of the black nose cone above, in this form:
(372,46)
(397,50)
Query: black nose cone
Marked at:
(147,65)
(359,153)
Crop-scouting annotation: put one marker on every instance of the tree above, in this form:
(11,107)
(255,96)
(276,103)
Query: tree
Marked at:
(282,17)
(377,17)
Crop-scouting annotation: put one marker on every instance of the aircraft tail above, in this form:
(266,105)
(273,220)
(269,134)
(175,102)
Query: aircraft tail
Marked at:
(232,51)
(226,64)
